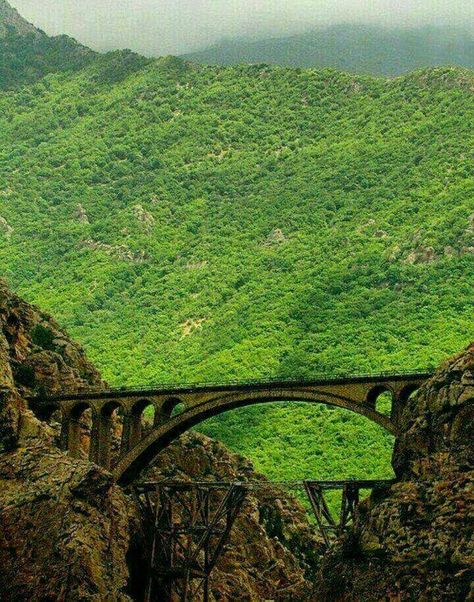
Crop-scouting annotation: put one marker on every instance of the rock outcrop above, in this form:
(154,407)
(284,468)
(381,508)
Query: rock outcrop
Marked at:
(121,252)
(63,523)
(417,542)
(5,228)
(65,528)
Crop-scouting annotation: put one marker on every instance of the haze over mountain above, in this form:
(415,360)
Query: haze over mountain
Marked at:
(160,27)
(193,223)
(356,48)
(27,53)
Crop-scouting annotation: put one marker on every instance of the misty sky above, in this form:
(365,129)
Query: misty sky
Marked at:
(157,27)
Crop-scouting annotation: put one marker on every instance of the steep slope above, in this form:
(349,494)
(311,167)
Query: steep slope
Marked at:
(418,539)
(193,224)
(355,48)
(65,529)
(11,21)
(28,54)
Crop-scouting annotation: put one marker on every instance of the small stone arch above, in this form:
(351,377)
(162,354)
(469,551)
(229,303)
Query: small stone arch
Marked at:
(408,392)
(45,412)
(172,406)
(381,398)
(141,405)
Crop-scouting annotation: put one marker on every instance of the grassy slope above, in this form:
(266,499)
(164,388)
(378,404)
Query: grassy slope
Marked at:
(356,172)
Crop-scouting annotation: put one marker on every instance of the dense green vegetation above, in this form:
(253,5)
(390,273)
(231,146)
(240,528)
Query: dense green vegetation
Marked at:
(26,58)
(357,48)
(27,53)
(204,223)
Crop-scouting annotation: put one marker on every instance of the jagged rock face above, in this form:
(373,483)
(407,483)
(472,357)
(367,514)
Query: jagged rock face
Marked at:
(64,532)
(65,527)
(37,352)
(417,542)
(63,523)
(35,355)
(439,420)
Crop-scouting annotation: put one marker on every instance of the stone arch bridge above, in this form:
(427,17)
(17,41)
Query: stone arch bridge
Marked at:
(179,408)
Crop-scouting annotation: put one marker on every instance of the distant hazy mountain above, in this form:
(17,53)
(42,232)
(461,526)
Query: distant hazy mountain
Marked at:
(355,48)
(27,53)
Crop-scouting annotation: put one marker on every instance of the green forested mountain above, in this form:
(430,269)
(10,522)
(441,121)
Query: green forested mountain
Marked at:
(27,53)
(196,223)
(356,48)
(12,21)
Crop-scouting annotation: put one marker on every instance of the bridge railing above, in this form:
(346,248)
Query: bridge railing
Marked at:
(318,379)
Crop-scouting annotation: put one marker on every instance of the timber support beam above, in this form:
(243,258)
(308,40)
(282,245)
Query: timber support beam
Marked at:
(188,526)
(330,526)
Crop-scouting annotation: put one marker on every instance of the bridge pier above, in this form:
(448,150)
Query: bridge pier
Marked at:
(104,430)
(94,446)
(132,430)
(71,435)
(126,431)
(135,429)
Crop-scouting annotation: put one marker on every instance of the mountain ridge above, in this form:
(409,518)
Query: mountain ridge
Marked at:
(11,20)
(349,47)
(27,54)
(193,223)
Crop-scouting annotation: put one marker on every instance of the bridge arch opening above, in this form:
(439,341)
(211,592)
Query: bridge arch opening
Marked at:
(381,398)
(47,412)
(178,409)
(172,406)
(408,393)
(143,416)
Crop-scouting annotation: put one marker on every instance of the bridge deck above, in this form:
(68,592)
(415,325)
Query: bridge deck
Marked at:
(231,385)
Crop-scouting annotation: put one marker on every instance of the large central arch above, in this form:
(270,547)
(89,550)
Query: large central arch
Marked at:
(135,460)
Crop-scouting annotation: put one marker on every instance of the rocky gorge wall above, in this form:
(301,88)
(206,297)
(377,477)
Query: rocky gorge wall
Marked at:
(63,523)
(416,543)
(68,533)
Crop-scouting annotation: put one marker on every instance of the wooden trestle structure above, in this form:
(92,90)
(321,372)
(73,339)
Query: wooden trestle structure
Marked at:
(189,524)
(332,527)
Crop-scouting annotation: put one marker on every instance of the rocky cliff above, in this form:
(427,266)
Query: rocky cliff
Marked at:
(68,533)
(63,524)
(65,528)
(417,542)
